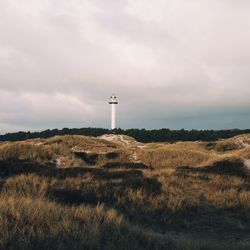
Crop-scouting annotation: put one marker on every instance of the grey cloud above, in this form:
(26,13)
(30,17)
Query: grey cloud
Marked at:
(168,61)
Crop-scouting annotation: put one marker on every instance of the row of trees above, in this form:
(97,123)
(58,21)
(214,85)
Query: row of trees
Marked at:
(142,135)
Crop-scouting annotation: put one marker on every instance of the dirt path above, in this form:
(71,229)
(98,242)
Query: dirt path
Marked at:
(247,163)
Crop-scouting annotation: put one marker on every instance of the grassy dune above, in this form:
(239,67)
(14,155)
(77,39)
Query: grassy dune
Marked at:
(76,192)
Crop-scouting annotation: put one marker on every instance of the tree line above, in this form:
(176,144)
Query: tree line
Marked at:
(141,135)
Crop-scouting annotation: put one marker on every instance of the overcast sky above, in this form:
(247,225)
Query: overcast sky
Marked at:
(172,63)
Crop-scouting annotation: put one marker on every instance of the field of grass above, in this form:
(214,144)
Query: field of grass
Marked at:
(77,192)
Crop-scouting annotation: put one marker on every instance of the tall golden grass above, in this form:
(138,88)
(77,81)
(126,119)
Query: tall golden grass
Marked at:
(191,197)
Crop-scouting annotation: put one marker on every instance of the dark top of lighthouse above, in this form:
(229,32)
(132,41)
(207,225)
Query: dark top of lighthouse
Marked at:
(113,99)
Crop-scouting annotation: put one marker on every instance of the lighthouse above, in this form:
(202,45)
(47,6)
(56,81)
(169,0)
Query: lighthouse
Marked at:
(113,102)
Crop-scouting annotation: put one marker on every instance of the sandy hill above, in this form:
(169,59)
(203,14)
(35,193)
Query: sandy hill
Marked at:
(111,192)
(123,140)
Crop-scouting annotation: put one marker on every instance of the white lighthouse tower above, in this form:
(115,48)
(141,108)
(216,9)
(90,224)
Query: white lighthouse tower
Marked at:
(113,102)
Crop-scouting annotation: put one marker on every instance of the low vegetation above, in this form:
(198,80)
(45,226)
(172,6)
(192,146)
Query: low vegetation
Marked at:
(142,135)
(77,192)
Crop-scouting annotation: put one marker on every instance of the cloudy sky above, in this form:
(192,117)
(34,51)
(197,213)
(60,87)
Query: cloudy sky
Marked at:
(172,63)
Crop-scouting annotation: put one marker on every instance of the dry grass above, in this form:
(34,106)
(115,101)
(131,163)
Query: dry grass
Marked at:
(37,223)
(38,153)
(176,155)
(191,197)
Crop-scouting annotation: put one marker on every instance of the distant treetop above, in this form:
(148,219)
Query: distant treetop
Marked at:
(141,135)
